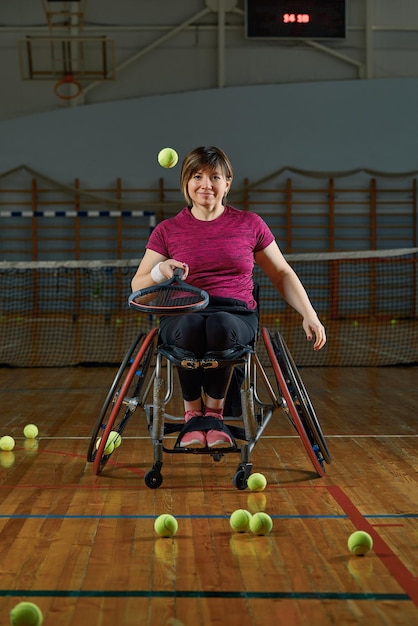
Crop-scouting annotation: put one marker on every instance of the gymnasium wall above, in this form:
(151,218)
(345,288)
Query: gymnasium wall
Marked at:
(328,126)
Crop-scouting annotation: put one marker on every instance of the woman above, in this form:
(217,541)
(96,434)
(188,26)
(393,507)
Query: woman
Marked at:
(216,246)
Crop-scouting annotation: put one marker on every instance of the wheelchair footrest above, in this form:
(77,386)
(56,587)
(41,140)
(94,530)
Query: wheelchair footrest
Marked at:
(237,432)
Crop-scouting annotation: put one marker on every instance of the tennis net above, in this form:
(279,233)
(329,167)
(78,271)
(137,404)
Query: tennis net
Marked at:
(66,313)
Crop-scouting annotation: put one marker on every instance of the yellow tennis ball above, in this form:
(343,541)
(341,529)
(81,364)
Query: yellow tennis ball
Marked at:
(240,520)
(257,482)
(30,431)
(261,523)
(115,438)
(7,443)
(26,614)
(360,543)
(166,525)
(168,157)
(109,447)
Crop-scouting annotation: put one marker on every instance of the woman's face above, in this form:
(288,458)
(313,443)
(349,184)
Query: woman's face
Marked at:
(208,187)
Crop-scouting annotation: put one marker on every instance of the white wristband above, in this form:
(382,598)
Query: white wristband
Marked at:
(156,274)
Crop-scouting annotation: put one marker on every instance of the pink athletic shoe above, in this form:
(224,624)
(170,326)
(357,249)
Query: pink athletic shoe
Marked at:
(194,438)
(217,438)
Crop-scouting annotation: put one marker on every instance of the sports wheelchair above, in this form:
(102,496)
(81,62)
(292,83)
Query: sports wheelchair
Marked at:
(145,381)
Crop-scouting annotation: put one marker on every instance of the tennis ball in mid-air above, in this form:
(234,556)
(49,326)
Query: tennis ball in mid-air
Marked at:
(360,543)
(240,520)
(7,443)
(109,447)
(30,431)
(168,157)
(257,482)
(261,523)
(26,614)
(166,525)
(115,438)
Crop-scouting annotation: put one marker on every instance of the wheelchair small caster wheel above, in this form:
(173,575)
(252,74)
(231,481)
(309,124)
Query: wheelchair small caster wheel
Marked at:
(240,480)
(153,479)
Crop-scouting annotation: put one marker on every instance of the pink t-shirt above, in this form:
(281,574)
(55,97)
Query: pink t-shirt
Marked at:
(219,253)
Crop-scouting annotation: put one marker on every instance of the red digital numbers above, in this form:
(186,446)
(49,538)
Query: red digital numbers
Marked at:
(296,18)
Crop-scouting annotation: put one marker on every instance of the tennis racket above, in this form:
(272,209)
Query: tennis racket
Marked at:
(172,297)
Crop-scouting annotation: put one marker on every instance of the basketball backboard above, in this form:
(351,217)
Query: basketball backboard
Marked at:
(67,60)
(52,58)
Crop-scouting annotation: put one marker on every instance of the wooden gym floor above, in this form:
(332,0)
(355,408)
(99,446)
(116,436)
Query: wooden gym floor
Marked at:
(83,547)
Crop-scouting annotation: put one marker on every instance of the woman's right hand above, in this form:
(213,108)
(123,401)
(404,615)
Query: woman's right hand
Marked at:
(166,269)
(168,266)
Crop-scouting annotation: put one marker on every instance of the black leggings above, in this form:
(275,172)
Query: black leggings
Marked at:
(200,333)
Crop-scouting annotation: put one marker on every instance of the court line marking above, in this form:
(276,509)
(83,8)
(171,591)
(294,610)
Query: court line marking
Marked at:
(393,436)
(400,573)
(213,517)
(296,436)
(175,593)
(398,570)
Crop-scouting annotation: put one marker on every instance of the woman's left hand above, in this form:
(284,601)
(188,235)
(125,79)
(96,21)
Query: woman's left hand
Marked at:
(314,327)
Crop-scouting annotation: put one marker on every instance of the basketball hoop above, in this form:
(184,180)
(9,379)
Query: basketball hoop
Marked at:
(68,80)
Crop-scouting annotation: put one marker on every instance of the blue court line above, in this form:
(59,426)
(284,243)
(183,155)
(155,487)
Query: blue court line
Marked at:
(225,516)
(81,213)
(245,595)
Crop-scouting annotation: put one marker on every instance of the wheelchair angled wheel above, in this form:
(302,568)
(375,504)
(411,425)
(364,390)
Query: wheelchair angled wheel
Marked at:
(295,383)
(297,403)
(125,394)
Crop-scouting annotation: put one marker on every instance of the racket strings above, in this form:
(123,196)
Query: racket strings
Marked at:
(169,297)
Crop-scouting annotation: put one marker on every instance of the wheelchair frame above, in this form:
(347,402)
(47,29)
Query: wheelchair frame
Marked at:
(145,380)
